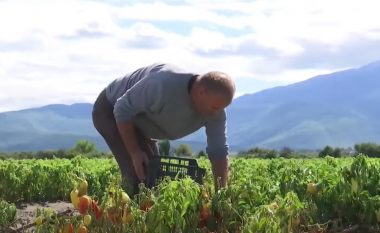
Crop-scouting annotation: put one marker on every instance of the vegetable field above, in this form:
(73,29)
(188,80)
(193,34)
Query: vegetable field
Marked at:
(277,195)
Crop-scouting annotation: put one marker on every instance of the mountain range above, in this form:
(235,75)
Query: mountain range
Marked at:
(338,109)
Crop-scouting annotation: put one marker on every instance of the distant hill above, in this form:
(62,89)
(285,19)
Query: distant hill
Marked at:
(56,126)
(50,127)
(338,109)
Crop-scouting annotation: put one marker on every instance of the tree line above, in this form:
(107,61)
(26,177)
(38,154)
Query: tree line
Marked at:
(368,148)
(88,149)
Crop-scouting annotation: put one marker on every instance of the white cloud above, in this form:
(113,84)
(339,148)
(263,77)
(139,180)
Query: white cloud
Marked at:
(66,51)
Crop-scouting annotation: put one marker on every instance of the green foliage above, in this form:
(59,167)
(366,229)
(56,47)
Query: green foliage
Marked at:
(7,213)
(328,150)
(164,147)
(50,180)
(260,153)
(202,154)
(369,149)
(84,147)
(183,150)
(277,195)
(179,199)
(286,152)
(337,153)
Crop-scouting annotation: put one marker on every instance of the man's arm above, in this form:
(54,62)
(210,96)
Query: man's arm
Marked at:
(128,135)
(217,148)
(138,157)
(145,96)
(220,171)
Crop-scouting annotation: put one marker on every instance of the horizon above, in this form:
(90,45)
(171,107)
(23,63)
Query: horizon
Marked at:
(235,97)
(73,103)
(49,58)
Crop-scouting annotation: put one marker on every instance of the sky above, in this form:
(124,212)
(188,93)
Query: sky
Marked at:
(64,52)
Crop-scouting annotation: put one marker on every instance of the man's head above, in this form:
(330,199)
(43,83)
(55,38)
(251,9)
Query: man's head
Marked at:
(212,92)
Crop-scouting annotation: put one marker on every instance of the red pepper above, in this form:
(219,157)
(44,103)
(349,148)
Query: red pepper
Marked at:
(96,209)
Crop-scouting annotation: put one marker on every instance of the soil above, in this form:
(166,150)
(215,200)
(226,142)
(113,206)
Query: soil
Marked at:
(26,214)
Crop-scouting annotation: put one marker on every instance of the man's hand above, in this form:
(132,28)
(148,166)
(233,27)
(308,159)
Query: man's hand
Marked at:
(220,171)
(140,162)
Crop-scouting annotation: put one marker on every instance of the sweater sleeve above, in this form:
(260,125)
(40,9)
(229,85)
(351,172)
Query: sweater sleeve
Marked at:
(144,97)
(216,131)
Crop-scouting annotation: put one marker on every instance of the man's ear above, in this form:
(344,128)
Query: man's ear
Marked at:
(203,90)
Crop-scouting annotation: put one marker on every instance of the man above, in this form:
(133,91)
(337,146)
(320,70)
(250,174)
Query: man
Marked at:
(161,101)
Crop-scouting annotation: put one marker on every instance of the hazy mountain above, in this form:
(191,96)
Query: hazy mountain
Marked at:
(338,109)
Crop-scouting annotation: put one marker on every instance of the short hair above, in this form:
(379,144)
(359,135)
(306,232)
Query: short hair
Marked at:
(218,83)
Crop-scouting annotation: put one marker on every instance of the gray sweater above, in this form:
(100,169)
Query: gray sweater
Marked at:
(156,99)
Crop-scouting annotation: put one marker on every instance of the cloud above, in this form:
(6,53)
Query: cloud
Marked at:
(246,46)
(145,36)
(159,11)
(357,49)
(57,52)
(84,33)
(146,42)
(22,45)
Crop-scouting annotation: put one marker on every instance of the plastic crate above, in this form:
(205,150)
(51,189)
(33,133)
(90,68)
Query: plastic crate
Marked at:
(163,166)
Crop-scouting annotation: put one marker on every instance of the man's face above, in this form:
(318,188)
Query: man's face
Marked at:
(210,104)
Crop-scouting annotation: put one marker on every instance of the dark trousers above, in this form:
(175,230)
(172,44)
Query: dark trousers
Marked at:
(105,124)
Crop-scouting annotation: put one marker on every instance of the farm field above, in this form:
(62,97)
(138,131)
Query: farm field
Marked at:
(263,195)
